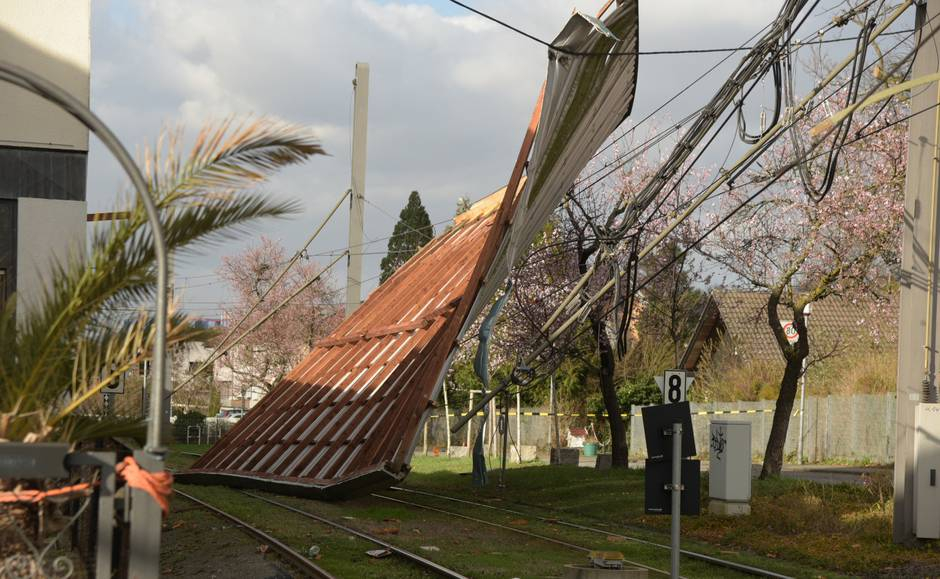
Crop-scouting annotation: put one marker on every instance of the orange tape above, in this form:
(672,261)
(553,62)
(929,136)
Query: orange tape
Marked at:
(36,496)
(158,485)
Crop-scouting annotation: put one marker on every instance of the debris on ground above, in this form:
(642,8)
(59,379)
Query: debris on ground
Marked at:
(606,559)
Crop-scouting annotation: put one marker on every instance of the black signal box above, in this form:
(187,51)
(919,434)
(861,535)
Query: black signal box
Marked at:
(659,496)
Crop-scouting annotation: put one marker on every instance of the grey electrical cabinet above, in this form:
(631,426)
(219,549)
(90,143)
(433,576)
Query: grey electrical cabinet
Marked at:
(729,469)
(926,469)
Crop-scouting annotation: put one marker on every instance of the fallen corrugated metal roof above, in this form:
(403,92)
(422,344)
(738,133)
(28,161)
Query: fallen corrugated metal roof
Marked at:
(348,416)
(344,412)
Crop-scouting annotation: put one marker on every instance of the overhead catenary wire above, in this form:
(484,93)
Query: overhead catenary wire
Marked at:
(740,167)
(752,154)
(666,52)
(811,108)
(754,64)
(676,126)
(300,252)
(620,160)
(670,100)
(429,233)
(533,375)
(842,131)
(745,160)
(588,303)
(220,351)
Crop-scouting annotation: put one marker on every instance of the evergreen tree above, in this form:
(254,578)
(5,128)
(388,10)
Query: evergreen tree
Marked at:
(412,231)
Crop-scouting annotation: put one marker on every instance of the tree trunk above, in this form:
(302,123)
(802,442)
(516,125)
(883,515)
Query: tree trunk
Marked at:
(773,456)
(618,431)
(793,354)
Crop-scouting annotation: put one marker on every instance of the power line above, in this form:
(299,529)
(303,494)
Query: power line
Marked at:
(429,233)
(739,167)
(678,125)
(778,174)
(545,360)
(623,159)
(668,52)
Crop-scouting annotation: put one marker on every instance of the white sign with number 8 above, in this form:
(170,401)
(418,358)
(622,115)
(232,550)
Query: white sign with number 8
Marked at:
(674,385)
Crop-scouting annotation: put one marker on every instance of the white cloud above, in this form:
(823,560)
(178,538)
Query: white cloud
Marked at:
(451,94)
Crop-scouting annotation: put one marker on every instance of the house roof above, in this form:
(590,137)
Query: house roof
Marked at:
(835,324)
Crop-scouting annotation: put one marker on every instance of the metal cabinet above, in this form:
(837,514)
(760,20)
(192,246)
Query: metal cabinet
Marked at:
(927,471)
(729,471)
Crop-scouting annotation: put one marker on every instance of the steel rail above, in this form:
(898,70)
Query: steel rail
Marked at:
(749,569)
(413,557)
(297,558)
(512,529)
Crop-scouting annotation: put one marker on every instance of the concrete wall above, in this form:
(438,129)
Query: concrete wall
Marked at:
(836,428)
(46,231)
(51,38)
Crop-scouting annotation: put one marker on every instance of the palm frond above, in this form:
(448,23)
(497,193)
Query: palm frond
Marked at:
(72,343)
(228,157)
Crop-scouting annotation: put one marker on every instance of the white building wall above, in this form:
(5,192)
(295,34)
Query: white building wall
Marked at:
(47,231)
(51,38)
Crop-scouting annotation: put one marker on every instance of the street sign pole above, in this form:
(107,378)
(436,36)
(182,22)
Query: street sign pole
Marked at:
(807,310)
(676,494)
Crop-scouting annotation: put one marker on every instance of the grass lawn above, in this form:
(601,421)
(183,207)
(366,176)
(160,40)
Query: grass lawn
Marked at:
(796,527)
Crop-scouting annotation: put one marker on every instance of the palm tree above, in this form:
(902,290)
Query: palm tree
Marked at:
(74,340)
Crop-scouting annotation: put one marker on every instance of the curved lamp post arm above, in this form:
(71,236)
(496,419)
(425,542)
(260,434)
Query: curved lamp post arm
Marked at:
(44,88)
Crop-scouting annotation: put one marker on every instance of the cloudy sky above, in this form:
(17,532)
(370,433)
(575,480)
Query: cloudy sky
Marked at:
(450,95)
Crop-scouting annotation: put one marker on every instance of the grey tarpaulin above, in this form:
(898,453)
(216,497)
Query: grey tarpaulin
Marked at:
(586,98)
(481,365)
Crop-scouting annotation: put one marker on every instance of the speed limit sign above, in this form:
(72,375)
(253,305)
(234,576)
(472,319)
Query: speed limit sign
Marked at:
(674,384)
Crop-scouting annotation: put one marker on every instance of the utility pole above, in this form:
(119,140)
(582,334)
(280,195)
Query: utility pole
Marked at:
(358,187)
(918,320)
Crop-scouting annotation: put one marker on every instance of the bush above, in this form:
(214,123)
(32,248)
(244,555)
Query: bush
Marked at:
(867,372)
(723,376)
(186,419)
(638,393)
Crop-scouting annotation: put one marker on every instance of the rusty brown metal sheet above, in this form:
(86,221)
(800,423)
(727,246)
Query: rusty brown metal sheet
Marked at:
(345,412)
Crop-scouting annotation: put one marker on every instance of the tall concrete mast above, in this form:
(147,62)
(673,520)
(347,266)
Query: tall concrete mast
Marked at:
(358,188)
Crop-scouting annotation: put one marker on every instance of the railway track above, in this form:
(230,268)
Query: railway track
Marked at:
(407,555)
(299,560)
(740,567)
(442,571)
(513,529)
